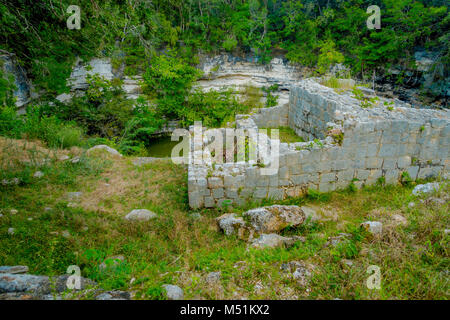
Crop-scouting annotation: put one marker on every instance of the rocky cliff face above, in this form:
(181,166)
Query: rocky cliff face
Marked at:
(430,76)
(23,85)
(226,71)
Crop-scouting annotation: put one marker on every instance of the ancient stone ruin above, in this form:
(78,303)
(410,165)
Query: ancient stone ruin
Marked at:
(349,141)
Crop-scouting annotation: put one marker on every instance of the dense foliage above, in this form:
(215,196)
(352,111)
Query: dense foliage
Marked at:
(161,39)
(37,32)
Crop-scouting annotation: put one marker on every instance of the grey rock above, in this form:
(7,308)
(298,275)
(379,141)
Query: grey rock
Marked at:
(140,215)
(213,277)
(11,231)
(24,283)
(230,223)
(374,227)
(196,216)
(426,188)
(106,148)
(75,160)
(114,295)
(275,218)
(334,241)
(13,269)
(51,297)
(173,292)
(104,296)
(63,158)
(74,195)
(66,234)
(310,213)
(272,241)
(64,98)
(38,174)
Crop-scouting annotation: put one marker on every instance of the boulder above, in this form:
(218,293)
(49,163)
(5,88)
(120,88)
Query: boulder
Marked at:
(106,148)
(273,241)
(173,292)
(426,188)
(140,215)
(14,269)
(275,218)
(230,224)
(374,227)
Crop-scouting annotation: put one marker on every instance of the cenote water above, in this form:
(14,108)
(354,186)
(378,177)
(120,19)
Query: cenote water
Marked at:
(161,147)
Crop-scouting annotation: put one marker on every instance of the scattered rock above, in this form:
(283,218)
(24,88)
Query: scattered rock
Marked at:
(51,297)
(14,269)
(173,292)
(275,218)
(74,195)
(63,158)
(230,223)
(13,211)
(75,160)
(11,231)
(213,277)
(398,219)
(64,98)
(38,174)
(106,148)
(66,234)
(435,201)
(72,205)
(426,188)
(140,215)
(411,205)
(114,295)
(1,215)
(104,296)
(273,241)
(298,270)
(447,231)
(333,241)
(374,227)
(12,182)
(310,213)
(24,283)
(346,263)
(196,216)
(111,262)
(302,275)
(47,209)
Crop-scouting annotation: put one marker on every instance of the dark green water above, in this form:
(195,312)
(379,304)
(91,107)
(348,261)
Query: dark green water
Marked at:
(161,147)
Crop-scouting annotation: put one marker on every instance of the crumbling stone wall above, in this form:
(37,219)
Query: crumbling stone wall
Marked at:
(375,143)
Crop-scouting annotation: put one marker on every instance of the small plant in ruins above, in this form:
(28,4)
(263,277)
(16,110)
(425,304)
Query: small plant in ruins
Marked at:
(365,102)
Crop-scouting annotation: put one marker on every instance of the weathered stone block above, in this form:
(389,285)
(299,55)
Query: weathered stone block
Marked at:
(215,182)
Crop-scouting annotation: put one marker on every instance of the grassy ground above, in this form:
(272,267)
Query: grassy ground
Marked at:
(179,248)
(287,134)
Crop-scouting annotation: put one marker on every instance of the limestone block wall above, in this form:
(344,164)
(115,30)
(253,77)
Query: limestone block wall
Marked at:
(272,117)
(378,143)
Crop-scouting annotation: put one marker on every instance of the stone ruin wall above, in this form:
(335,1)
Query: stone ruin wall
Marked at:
(376,143)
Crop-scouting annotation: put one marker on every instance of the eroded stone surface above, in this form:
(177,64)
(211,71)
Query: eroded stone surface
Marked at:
(275,218)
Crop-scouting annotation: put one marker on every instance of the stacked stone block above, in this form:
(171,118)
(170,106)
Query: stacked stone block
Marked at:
(378,144)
